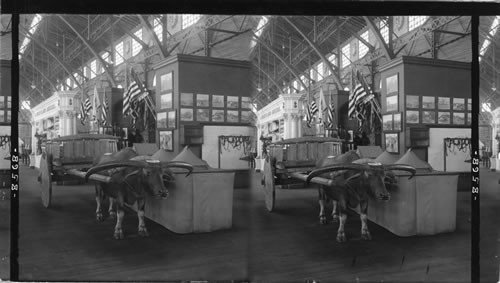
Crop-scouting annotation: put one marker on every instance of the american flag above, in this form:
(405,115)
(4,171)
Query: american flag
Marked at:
(314,108)
(85,108)
(330,116)
(104,112)
(356,100)
(308,116)
(130,98)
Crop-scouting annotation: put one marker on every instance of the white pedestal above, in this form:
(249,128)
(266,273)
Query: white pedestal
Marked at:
(493,164)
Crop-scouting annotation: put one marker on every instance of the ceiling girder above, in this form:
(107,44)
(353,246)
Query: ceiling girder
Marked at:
(289,67)
(156,42)
(318,51)
(267,75)
(63,65)
(41,73)
(385,48)
(103,63)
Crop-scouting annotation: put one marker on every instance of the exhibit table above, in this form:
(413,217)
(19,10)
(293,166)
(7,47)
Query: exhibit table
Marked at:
(423,205)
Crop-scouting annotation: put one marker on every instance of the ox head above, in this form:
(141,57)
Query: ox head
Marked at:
(367,176)
(150,175)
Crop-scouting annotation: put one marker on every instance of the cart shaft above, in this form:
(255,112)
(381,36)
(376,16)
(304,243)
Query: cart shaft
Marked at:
(94,177)
(316,180)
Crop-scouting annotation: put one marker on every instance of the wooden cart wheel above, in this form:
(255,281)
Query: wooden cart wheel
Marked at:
(269,192)
(46,179)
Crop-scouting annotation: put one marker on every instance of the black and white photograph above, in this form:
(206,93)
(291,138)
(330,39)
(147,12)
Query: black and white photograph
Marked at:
(220,168)
(187,99)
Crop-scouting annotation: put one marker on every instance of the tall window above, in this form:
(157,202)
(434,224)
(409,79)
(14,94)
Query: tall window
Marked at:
(69,82)
(78,77)
(320,71)
(362,48)
(136,46)
(93,69)
(416,21)
(33,27)
(384,30)
(86,71)
(346,55)
(106,58)
(158,29)
(189,20)
(296,85)
(333,59)
(119,54)
(313,74)
(303,79)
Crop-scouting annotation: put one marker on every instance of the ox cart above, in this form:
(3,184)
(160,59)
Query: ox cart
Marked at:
(289,161)
(72,156)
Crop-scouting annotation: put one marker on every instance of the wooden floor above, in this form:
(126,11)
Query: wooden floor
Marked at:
(65,243)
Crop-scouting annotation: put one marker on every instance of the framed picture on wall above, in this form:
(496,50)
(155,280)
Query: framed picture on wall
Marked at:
(186,99)
(458,118)
(245,102)
(161,120)
(203,115)
(428,117)
(469,104)
(9,102)
(392,142)
(202,100)
(428,102)
(391,103)
(167,140)
(469,118)
(387,122)
(172,119)
(166,82)
(391,85)
(186,114)
(412,101)
(458,103)
(2,101)
(218,101)
(217,115)
(166,101)
(246,116)
(443,103)
(412,117)
(232,102)
(443,117)
(232,116)
(8,115)
(2,117)
(397,122)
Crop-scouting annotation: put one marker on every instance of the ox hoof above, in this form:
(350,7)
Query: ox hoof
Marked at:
(112,215)
(365,235)
(335,218)
(322,220)
(99,217)
(341,238)
(119,234)
(143,232)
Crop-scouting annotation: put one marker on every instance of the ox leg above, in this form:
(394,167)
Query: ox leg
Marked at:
(99,198)
(111,211)
(322,200)
(120,213)
(365,233)
(335,215)
(143,232)
(341,233)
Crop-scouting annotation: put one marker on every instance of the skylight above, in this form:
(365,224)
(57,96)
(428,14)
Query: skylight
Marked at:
(492,32)
(260,28)
(34,25)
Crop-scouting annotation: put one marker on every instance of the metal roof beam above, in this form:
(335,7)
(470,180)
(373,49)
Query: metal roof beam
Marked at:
(63,65)
(318,51)
(157,43)
(41,73)
(385,48)
(104,65)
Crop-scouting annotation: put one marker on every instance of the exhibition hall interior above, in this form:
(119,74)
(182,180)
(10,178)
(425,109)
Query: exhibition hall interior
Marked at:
(261,148)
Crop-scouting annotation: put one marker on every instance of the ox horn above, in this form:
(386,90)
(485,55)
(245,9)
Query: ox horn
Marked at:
(336,167)
(178,164)
(110,165)
(402,167)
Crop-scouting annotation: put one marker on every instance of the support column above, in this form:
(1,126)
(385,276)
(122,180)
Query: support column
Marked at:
(287,126)
(299,121)
(294,131)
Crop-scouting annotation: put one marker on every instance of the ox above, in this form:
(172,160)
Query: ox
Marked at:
(355,181)
(132,176)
